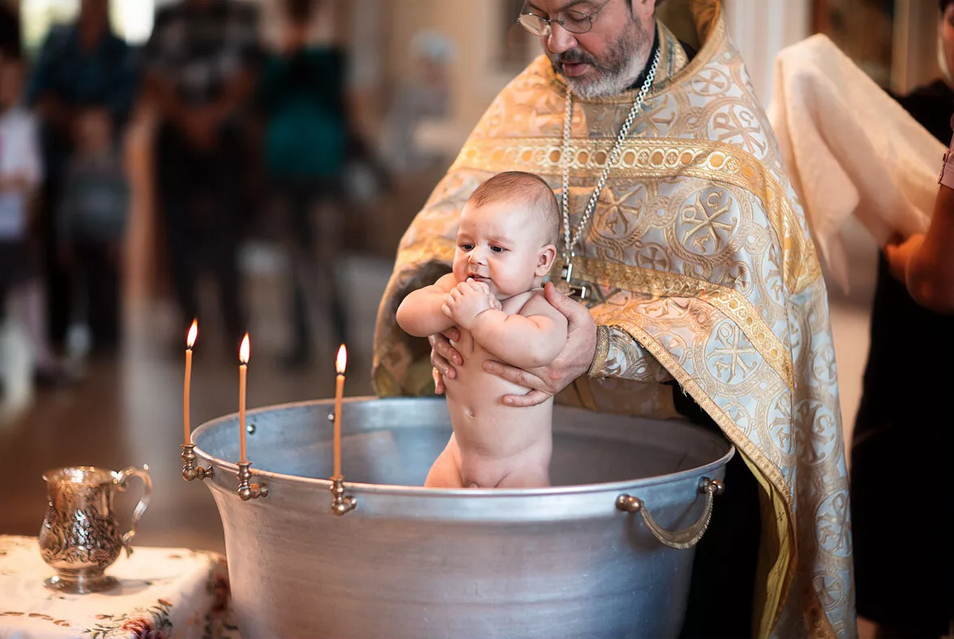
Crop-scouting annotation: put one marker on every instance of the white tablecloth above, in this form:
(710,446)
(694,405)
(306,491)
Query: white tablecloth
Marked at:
(163,593)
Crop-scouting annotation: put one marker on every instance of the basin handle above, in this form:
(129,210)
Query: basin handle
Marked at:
(679,539)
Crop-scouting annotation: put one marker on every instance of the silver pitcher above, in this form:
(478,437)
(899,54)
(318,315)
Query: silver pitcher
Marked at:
(80,536)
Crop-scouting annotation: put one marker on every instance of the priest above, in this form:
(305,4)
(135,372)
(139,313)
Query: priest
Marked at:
(696,289)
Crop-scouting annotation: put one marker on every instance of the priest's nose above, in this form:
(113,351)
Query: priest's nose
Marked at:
(560,39)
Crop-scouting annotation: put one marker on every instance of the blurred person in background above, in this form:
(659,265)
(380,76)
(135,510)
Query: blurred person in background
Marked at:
(23,346)
(302,97)
(912,594)
(201,67)
(91,221)
(82,67)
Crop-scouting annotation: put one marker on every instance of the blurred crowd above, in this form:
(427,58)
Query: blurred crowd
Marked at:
(240,131)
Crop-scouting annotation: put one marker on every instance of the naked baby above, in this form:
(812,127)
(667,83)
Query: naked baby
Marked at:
(506,244)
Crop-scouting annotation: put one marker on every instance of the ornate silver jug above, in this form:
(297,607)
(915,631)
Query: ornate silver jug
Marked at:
(80,536)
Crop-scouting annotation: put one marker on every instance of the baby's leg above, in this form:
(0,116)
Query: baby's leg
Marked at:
(536,476)
(530,469)
(445,472)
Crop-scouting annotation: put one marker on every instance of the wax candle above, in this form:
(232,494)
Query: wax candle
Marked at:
(340,363)
(190,342)
(243,367)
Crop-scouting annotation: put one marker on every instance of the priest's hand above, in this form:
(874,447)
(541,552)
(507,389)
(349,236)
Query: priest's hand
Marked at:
(444,357)
(574,360)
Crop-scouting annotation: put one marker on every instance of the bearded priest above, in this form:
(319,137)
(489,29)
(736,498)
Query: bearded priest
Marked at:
(705,298)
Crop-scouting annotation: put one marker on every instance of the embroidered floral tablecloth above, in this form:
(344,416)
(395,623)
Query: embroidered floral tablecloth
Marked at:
(163,593)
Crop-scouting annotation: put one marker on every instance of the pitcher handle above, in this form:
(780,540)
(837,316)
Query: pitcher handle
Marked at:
(679,539)
(119,479)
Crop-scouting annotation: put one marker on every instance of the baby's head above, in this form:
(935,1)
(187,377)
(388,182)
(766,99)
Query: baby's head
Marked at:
(508,233)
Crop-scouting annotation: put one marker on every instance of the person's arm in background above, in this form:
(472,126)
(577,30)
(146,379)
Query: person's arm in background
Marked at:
(925,262)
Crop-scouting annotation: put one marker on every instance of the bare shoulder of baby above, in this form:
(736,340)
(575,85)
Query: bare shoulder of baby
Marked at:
(516,303)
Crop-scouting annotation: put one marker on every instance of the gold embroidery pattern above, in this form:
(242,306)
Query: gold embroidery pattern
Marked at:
(730,302)
(668,158)
(602,350)
(627,360)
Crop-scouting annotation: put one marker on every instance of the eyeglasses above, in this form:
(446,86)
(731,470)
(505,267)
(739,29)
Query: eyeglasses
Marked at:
(570,20)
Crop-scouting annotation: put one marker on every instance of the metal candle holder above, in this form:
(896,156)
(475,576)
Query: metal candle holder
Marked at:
(340,503)
(247,490)
(189,470)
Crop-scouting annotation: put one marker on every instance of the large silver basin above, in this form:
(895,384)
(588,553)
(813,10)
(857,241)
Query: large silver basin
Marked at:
(416,562)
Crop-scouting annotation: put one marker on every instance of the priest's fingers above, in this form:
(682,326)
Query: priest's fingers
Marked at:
(453,334)
(532,398)
(577,355)
(574,311)
(438,382)
(444,356)
(516,375)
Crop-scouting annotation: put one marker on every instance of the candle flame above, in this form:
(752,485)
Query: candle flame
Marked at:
(341,362)
(193,332)
(243,351)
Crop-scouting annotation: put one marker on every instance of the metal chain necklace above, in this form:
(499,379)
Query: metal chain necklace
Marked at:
(570,241)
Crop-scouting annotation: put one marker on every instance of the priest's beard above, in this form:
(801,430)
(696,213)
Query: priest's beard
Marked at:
(622,64)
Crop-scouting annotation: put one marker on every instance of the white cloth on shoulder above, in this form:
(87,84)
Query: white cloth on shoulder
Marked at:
(850,149)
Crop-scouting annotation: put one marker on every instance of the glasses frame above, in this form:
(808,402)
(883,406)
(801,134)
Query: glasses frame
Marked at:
(560,19)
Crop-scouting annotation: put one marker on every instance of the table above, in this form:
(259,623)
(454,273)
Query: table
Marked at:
(163,593)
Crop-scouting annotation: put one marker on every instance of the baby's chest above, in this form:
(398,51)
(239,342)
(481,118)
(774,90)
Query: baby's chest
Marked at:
(469,348)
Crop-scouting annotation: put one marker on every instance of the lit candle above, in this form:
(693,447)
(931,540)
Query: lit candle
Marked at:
(243,367)
(340,363)
(190,342)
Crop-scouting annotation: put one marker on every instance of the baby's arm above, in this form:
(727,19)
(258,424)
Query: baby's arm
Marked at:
(532,338)
(420,313)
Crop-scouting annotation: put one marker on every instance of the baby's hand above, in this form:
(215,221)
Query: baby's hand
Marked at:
(468,300)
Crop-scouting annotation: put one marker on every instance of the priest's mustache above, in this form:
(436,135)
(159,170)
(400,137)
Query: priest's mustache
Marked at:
(574,56)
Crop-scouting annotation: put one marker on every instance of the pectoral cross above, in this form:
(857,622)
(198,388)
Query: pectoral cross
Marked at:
(566,285)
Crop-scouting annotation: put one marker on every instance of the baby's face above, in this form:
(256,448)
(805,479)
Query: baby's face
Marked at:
(501,244)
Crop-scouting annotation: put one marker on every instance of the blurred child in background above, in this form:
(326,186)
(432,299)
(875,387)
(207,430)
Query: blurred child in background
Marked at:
(90,224)
(24,351)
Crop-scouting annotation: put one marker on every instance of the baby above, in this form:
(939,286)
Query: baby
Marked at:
(506,244)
